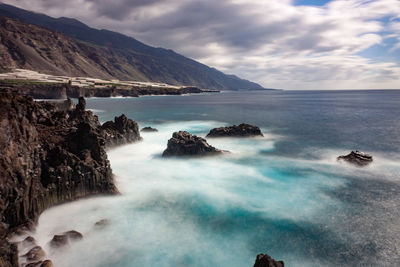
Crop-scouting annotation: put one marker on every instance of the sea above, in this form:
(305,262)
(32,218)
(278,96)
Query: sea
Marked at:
(284,194)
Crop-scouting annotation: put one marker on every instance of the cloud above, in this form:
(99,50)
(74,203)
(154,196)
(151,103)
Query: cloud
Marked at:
(272,42)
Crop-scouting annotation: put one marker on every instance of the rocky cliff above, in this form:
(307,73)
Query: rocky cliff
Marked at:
(42,90)
(49,154)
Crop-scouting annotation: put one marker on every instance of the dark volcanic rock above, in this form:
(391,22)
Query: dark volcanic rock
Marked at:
(81,106)
(183,143)
(264,260)
(357,158)
(148,129)
(47,156)
(120,131)
(241,130)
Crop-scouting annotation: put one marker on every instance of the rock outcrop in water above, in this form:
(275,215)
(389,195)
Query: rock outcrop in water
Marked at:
(357,158)
(148,129)
(241,130)
(48,156)
(183,143)
(62,239)
(120,131)
(264,260)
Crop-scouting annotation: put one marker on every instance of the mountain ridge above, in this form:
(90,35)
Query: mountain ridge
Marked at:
(128,58)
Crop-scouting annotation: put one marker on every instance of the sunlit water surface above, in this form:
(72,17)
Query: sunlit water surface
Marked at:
(284,194)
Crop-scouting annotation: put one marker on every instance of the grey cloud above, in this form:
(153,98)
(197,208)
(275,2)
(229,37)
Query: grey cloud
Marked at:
(278,45)
(118,9)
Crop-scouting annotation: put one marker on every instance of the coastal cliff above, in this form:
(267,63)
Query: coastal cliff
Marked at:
(49,154)
(62,90)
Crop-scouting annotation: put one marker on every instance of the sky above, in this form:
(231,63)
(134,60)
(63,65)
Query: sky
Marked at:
(287,44)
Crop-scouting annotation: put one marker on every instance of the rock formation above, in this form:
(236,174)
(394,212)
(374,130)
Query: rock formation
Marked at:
(120,131)
(357,158)
(148,129)
(264,260)
(241,130)
(183,143)
(47,156)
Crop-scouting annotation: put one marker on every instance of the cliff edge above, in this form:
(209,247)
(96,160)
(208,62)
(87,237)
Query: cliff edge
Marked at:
(49,154)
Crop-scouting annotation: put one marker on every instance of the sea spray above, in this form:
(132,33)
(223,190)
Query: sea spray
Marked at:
(284,194)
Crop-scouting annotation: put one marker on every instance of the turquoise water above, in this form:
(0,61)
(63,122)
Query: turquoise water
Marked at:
(284,194)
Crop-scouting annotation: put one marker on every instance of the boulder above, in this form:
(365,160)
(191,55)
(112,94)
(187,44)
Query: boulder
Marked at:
(264,260)
(183,143)
(357,158)
(149,129)
(241,130)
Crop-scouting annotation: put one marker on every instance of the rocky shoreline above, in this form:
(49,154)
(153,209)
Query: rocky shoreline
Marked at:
(50,154)
(64,90)
(55,152)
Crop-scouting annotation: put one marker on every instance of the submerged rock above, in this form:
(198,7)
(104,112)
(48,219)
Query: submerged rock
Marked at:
(357,158)
(183,143)
(102,223)
(35,254)
(73,235)
(61,240)
(29,241)
(149,129)
(264,260)
(241,130)
(46,263)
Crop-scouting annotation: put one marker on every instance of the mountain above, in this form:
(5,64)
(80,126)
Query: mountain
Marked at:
(65,46)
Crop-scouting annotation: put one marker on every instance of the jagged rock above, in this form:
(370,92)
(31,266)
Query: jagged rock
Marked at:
(47,156)
(120,131)
(149,129)
(35,254)
(183,143)
(241,130)
(264,260)
(81,106)
(357,158)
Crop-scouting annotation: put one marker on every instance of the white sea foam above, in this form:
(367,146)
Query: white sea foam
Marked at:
(184,212)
